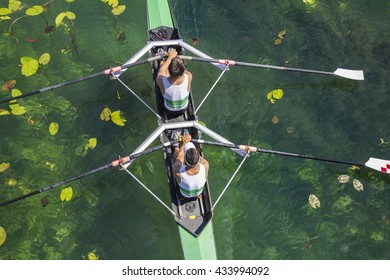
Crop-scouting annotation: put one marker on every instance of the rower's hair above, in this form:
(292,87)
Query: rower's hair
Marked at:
(176,67)
(192,157)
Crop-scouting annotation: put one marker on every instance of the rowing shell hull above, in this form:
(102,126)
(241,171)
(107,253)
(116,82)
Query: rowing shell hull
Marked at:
(192,215)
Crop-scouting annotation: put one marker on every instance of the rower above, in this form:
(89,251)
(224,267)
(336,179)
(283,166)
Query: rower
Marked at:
(174,82)
(190,169)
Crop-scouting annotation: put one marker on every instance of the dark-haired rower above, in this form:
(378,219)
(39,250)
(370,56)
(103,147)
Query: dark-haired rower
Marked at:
(175,82)
(190,169)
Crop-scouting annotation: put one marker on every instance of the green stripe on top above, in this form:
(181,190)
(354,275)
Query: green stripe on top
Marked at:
(191,193)
(159,14)
(177,104)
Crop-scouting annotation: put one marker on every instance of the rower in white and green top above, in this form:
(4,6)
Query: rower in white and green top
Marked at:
(175,82)
(190,169)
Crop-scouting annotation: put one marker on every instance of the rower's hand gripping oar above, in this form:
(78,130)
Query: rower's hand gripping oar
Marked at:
(110,71)
(380,165)
(344,73)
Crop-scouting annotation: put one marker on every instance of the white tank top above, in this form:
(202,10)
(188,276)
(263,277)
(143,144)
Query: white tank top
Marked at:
(192,185)
(176,96)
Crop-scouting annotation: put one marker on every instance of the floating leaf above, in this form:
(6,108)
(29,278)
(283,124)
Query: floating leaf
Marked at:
(282,34)
(70,15)
(16,109)
(34,10)
(91,143)
(66,194)
(53,128)
(343,179)
(275,120)
(44,201)
(113,3)
(31,120)
(117,118)
(29,66)
(50,165)
(92,256)
(44,58)
(105,115)
(194,41)
(314,201)
(4,112)
(15,92)
(357,185)
(59,18)
(202,123)
(354,167)
(4,166)
(69,1)
(5,18)
(5,11)
(14,5)
(278,42)
(290,129)
(118,10)
(8,85)
(3,236)
(11,182)
(275,94)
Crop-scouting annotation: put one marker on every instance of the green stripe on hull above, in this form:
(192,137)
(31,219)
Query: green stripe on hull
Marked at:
(159,14)
(201,247)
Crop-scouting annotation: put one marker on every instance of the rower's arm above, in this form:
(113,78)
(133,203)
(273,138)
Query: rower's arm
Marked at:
(206,166)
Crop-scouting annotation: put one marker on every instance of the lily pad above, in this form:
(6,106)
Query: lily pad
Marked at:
(29,66)
(92,256)
(358,185)
(91,143)
(5,11)
(274,95)
(59,18)
(314,201)
(4,112)
(14,5)
(16,109)
(66,194)
(44,59)
(3,236)
(34,10)
(282,34)
(8,85)
(53,128)
(70,15)
(105,115)
(4,166)
(118,10)
(118,118)
(343,179)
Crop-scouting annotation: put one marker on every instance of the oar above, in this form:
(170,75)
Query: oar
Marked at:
(109,71)
(380,165)
(115,163)
(345,73)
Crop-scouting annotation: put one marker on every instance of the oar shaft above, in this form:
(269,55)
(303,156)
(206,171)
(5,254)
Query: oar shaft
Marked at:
(307,157)
(255,149)
(256,65)
(93,171)
(92,76)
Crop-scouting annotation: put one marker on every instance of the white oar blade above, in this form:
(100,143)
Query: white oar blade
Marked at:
(379,164)
(350,74)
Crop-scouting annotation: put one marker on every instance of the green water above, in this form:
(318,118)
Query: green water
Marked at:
(265,212)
